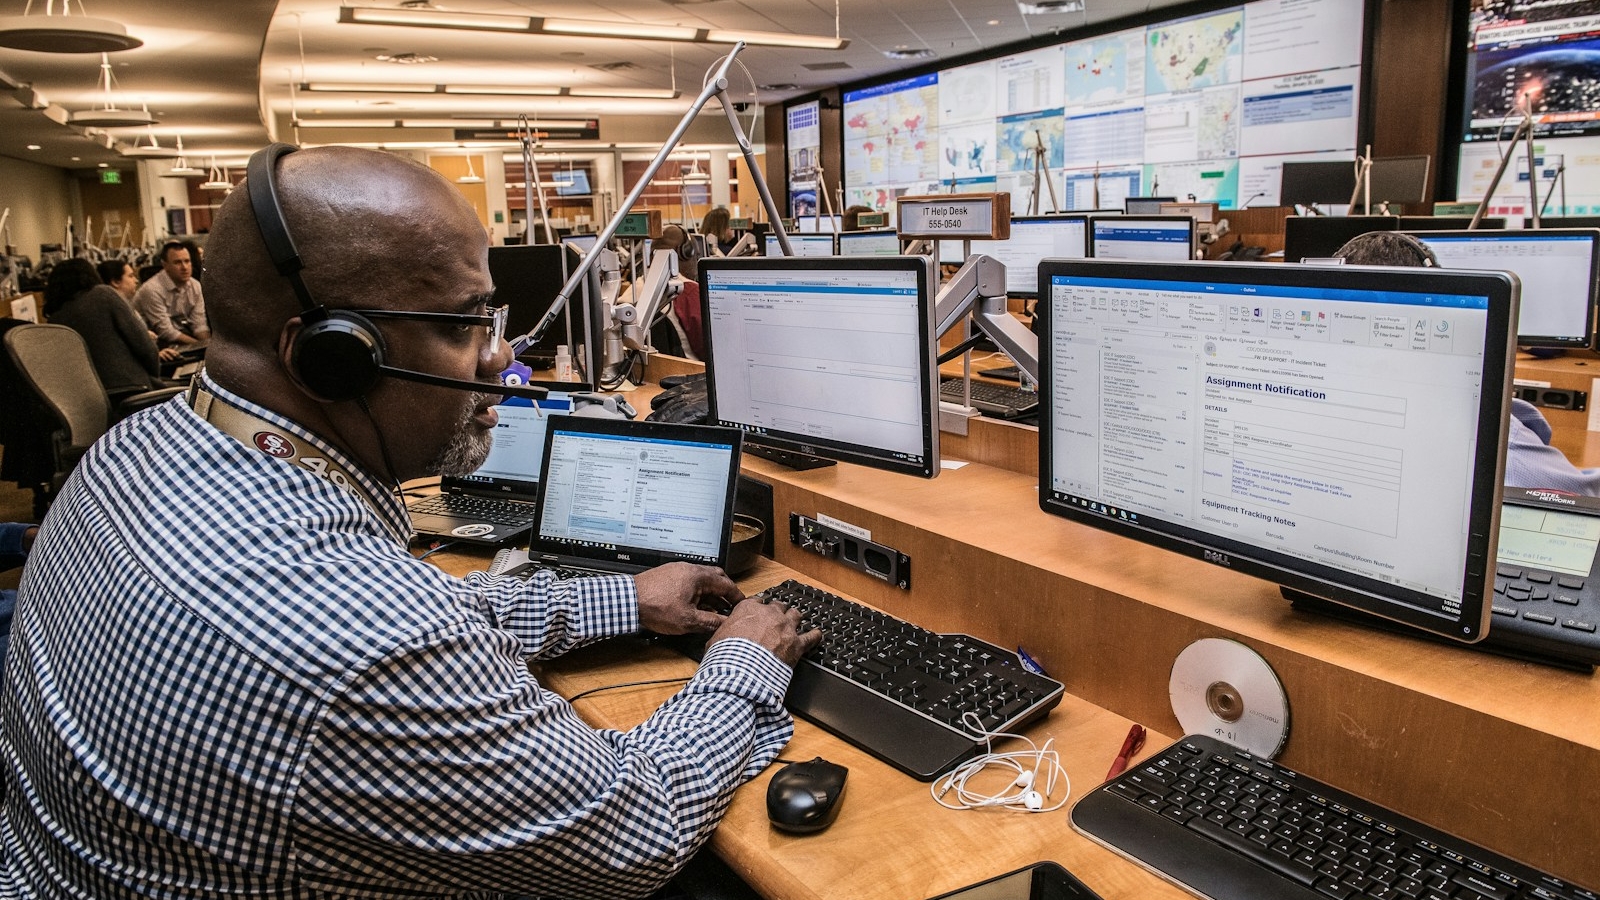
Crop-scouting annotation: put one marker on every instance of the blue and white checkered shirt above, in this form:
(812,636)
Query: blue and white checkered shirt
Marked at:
(228,677)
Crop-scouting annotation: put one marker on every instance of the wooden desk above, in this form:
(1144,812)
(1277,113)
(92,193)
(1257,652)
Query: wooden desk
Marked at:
(1488,748)
(891,840)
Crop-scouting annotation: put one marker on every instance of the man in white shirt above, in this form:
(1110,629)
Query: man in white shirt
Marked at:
(171,302)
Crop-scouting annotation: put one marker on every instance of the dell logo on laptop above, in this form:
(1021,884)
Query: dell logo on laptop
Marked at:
(1220,559)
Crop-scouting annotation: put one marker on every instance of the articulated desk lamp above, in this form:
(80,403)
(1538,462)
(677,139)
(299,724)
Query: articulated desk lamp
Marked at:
(624,324)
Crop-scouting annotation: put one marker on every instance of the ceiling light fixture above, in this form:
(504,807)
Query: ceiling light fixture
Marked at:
(909,53)
(153,150)
(109,116)
(508,90)
(623,93)
(472,176)
(1049,7)
(643,31)
(217,180)
(65,33)
(494,90)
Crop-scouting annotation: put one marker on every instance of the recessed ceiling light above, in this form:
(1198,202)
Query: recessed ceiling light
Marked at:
(1049,7)
(35,147)
(909,53)
(778,87)
(104,165)
(406,59)
(994,21)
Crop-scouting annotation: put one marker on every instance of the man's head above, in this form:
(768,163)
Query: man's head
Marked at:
(121,276)
(176,262)
(375,232)
(1386,248)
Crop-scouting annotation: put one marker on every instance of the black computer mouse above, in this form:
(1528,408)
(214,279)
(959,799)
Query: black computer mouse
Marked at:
(804,796)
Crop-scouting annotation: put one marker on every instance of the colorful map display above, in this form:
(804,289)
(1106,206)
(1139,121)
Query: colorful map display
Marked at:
(1209,105)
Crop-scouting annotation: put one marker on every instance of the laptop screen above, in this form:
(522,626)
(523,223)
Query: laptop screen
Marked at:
(637,492)
(518,450)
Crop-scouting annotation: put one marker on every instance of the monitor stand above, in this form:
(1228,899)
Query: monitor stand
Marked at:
(1501,642)
(792,459)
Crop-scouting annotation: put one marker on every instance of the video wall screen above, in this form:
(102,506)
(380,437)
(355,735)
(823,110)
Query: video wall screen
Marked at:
(1207,106)
(803,138)
(1543,57)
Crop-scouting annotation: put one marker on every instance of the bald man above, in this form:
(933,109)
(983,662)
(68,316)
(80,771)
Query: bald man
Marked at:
(228,677)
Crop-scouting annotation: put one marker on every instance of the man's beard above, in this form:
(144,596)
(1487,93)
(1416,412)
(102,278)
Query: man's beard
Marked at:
(469,445)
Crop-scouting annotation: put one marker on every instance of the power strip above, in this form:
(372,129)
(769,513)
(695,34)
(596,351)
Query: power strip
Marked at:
(881,562)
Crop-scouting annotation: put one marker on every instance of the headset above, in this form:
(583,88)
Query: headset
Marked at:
(338,355)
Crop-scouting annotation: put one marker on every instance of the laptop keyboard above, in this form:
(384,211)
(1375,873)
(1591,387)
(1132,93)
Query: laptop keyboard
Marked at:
(478,509)
(901,692)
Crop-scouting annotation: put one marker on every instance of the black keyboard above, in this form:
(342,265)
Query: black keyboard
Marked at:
(478,509)
(901,692)
(1000,400)
(1230,826)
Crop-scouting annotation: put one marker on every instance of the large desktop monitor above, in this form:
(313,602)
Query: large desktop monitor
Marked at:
(1338,430)
(803,244)
(1142,237)
(868,243)
(1311,183)
(1032,238)
(1399,179)
(817,224)
(1320,237)
(829,357)
(527,279)
(1556,268)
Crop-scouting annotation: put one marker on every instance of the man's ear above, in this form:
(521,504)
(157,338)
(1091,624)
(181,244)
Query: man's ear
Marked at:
(286,338)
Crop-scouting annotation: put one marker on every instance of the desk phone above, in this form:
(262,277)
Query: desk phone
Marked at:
(1546,586)
(1546,600)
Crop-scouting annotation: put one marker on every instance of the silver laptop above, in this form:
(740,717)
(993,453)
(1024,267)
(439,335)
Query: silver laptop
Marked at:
(497,503)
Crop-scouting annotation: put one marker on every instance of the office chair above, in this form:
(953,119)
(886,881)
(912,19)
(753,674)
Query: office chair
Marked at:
(73,408)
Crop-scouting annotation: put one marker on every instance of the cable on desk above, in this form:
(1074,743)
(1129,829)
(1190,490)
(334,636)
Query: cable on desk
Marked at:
(1024,793)
(436,547)
(626,684)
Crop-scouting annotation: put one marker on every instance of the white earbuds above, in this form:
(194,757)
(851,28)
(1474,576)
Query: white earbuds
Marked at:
(1023,793)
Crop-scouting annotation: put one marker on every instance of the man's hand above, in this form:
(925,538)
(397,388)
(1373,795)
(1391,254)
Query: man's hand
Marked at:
(682,598)
(773,626)
(168,354)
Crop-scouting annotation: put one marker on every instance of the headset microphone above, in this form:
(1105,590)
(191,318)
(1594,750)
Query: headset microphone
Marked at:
(504,390)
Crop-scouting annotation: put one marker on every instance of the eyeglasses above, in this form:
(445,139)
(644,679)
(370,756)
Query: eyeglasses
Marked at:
(494,319)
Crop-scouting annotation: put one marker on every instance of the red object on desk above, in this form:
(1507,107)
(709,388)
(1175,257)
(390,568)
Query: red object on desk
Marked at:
(1130,747)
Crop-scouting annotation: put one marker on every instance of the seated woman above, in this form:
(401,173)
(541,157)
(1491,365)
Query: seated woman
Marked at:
(1531,461)
(124,356)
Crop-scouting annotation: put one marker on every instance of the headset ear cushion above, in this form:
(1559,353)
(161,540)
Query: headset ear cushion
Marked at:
(338,358)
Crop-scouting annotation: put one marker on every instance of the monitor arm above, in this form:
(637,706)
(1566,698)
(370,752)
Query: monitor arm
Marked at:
(746,245)
(979,288)
(641,302)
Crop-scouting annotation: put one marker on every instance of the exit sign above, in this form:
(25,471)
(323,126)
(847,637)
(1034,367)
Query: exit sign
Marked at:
(110,176)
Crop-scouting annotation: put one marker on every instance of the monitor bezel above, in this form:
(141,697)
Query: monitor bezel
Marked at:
(1335,585)
(1587,339)
(927,286)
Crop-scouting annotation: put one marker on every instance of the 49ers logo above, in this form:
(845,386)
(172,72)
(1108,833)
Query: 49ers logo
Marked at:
(274,444)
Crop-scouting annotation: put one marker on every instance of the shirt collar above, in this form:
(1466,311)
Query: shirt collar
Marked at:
(384,500)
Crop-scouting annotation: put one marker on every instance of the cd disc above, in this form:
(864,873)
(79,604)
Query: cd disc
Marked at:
(1223,688)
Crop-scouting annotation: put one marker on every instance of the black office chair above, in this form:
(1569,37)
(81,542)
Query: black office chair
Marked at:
(72,407)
